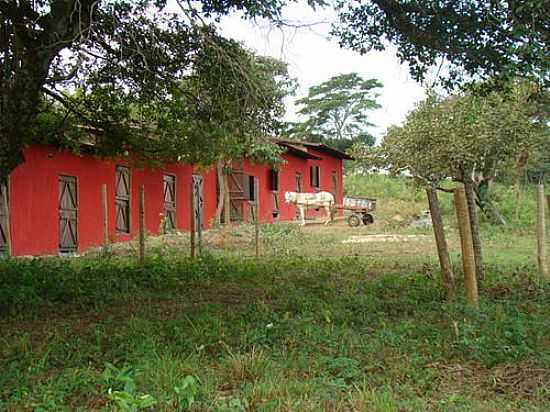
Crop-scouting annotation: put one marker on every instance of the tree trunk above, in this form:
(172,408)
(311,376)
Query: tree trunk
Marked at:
(221,192)
(441,242)
(468,260)
(485,204)
(27,55)
(474,225)
(521,163)
(541,234)
(227,201)
(18,109)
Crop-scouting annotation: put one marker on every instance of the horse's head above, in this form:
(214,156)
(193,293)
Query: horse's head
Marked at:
(289,197)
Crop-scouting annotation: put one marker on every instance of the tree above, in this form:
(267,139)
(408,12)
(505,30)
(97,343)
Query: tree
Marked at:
(466,138)
(337,111)
(122,54)
(238,113)
(227,107)
(476,39)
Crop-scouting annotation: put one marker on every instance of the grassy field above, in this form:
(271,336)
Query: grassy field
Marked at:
(314,325)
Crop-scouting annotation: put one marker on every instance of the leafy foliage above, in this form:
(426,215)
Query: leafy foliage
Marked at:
(127,60)
(474,39)
(462,136)
(313,333)
(337,111)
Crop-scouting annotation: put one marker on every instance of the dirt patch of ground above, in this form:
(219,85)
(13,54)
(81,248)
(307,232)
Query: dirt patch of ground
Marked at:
(384,238)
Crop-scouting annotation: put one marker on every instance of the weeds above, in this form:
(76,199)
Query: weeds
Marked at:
(302,329)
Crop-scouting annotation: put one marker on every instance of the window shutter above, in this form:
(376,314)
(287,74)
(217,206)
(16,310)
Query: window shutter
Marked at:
(318,175)
(122,199)
(169,182)
(68,212)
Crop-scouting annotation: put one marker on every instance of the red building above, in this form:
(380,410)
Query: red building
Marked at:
(55,201)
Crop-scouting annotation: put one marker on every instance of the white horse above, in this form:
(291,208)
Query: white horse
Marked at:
(303,200)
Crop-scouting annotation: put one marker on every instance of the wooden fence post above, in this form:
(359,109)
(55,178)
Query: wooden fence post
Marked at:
(192,208)
(197,202)
(5,201)
(468,260)
(257,216)
(441,242)
(541,233)
(105,214)
(141,224)
(227,200)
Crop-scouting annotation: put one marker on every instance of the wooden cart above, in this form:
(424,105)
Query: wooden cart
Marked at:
(361,209)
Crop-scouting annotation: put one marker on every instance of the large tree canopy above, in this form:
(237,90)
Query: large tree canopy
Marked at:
(113,57)
(477,38)
(337,111)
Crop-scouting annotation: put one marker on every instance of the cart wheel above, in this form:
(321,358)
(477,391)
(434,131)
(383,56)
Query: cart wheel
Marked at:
(354,221)
(367,219)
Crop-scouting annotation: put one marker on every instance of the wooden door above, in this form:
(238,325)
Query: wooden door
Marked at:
(68,214)
(122,199)
(169,182)
(299,182)
(237,195)
(334,184)
(3,222)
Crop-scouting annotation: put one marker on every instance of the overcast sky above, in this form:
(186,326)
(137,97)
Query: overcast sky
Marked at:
(314,58)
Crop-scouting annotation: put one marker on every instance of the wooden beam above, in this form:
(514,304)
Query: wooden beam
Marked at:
(192,222)
(541,233)
(441,242)
(5,200)
(468,260)
(105,211)
(257,216)
(141,224)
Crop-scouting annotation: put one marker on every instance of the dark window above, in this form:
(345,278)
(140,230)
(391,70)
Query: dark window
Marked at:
(251,188)
(273,180)
(122,199)
(314,176)
(169,182)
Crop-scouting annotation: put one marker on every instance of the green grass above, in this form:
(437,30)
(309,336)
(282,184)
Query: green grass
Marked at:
(314,325)
(400,194)
(277,334)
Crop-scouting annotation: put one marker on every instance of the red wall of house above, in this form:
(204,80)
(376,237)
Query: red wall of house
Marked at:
(34,199)
(287,183)
(34,196)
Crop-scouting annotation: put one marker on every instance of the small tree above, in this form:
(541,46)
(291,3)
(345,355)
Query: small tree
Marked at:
(337,111)
(467,138)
